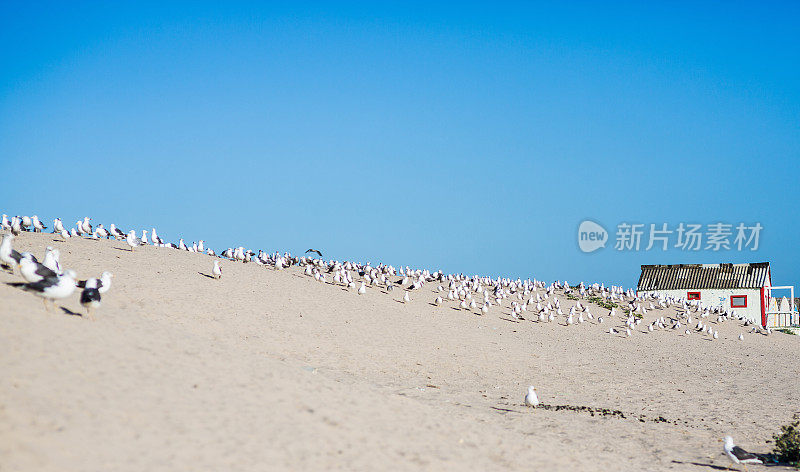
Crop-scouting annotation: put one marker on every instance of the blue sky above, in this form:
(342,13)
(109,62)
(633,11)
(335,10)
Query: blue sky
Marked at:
(467,137)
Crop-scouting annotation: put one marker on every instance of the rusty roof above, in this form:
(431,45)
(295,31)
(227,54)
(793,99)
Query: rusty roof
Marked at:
(703,276)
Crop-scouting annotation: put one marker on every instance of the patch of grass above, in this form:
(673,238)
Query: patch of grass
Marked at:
(787,331)
(787,443)
(635,315)
(599,301)
(572,297)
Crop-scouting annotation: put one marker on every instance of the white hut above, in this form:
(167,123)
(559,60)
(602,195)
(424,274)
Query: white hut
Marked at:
(742,288)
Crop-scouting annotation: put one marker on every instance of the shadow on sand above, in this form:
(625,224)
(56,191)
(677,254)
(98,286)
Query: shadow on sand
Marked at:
(69,312)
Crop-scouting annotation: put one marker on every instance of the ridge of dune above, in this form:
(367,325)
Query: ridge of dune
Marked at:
(267,369)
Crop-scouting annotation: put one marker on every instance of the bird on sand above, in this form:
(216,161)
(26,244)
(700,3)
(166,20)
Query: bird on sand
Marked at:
(737,455)
(133,241)
(8,256)
(115,232)
(51,288)
(216,270)
(51,259)
(38,227)
(531,399)
(90,297)
(34,272)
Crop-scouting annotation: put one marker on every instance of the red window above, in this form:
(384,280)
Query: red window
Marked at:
(693,295)
(738,301)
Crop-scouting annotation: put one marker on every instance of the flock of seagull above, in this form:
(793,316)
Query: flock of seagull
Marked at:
(526,299)
(529,299)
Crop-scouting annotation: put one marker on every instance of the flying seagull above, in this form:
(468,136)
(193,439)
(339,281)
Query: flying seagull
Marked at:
(314,250)
(737,455)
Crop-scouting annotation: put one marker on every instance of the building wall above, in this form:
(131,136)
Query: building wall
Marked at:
(722,297)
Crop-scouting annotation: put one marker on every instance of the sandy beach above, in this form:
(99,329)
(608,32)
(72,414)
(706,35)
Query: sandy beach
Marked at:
(272,370)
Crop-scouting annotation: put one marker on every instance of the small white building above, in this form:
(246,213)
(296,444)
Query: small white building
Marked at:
(743,288)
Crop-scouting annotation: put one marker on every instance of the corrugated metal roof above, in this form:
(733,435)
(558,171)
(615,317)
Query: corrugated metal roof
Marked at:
(701,276)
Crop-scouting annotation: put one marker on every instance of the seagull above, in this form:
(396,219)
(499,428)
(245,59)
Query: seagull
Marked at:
(737,455)
(34,272)
(51,288)
(8,256)
(154,237)
(90,296)
(51,259)
(314,250)
(362,289)
(531,399)
(405,297)
(133,241)
(38,227)
(116,232)
(16,229)
(216,270)
(101,232)
(87,227)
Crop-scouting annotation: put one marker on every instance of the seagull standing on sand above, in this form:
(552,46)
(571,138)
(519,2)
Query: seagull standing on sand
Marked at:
(16,229)
(38,227)
(87,227)
(51,260)
(531,399)
(116,232)
(52,288)
(216,270)
(8,256)
(154,237)
(737,455)
(32,271)
(90,297)
(133,241)
(101,232)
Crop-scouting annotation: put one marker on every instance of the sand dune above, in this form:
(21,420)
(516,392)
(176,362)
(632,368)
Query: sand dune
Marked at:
(272,370)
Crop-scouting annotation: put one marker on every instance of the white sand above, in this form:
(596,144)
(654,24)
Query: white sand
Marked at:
(271,370)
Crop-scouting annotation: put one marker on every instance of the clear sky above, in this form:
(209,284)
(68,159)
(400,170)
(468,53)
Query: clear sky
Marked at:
(471,138)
